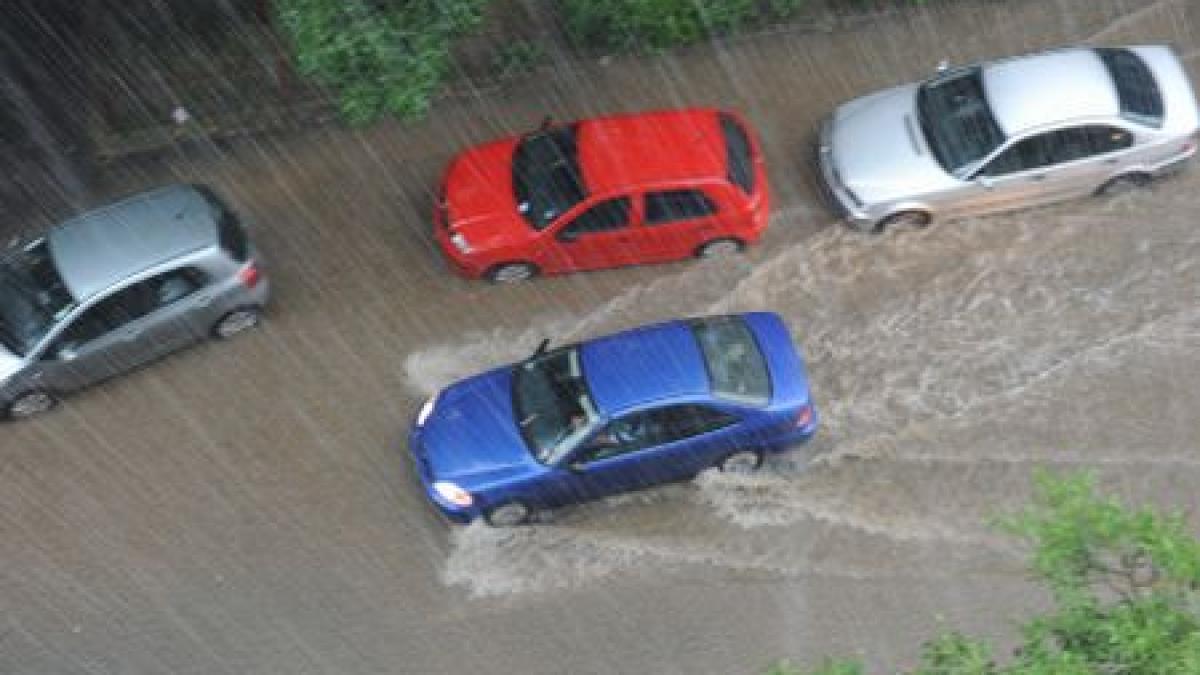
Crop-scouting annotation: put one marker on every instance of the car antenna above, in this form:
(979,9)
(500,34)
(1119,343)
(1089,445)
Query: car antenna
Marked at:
(547,122)
(542,347)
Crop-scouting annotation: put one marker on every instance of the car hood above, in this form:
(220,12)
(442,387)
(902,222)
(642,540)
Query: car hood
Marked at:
(10,364)
(479,198)
(471,437)
(879,150)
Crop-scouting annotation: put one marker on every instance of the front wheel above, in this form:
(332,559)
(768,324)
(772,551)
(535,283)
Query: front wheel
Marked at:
(719,248)
(236,321)
(508,514)
(910,220)
(742,461)
(510,273)
(29,404)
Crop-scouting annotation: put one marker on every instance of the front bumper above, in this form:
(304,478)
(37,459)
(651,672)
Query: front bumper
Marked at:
(835,194)
(424,473)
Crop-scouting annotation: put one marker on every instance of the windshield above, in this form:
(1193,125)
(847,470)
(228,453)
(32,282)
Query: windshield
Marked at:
(553,406)
(33,298)
(546,178)
(956,119)
(735,365)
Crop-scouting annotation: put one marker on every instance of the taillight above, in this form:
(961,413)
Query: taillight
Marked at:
(804,416)
(249,275)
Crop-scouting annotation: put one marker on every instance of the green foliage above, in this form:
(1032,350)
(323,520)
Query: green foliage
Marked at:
(1125,583)
(380,56)
(658,24)
(517,58)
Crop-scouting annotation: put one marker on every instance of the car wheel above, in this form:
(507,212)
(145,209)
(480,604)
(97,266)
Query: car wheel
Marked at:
(1123,183)
(511,273)
(719,248)
(508,514)
(236,321)
(909,220)
(742,461)
(29,404)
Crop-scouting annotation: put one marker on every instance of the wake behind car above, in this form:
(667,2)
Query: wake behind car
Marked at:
(1009,134)
(119,286)
(655,404)
(603,192)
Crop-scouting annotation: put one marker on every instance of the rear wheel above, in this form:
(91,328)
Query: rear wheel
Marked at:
(909,220)
(1124,183)
(719,248)
(742,461)
(509,273)
(236,321)
(508,514)
(29,404)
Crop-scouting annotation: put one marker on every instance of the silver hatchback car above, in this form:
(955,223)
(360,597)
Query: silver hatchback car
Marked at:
(116,287)
(1008,134)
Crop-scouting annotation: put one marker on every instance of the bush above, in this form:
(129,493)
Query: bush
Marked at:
(380,56)
(1126,589)
(658,24)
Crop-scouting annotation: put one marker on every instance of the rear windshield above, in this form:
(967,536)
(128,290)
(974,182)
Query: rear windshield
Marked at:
(230,235)
(738,154)
(1136,89)
(547,180)
(736,368)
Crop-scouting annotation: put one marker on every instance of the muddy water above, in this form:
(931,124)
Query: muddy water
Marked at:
(248,508)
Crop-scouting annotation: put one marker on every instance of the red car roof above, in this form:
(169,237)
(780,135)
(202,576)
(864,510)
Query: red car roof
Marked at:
(624,151)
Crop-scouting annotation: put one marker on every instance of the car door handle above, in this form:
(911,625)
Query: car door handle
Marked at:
(1114,160)
(1038,177)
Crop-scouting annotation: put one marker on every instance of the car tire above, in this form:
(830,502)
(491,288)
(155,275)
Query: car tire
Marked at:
(719,248)
(29,404)
(908,220)
(508,514)
(1127,182)
(740,461)
(236,321)
(512,272)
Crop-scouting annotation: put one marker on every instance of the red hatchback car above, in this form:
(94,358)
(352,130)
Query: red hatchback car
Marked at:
(604,192)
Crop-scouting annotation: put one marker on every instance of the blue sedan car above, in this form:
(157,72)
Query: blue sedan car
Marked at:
(655,404)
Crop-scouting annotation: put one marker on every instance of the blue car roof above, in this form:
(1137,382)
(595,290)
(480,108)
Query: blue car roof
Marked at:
(646,364)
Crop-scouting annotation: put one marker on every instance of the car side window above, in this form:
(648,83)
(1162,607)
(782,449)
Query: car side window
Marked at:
(653,427)
(98,320)
(170,287)
(675,205)
(608,215)
(1032,153)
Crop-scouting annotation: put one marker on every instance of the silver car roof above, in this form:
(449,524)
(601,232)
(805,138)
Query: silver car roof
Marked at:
(1049,88)
(99,249)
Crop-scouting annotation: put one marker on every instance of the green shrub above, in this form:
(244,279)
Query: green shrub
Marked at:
(658,24)
(380,56)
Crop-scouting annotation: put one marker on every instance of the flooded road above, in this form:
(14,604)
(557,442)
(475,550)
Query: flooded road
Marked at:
(249,508)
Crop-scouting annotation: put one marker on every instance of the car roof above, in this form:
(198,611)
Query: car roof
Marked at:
(99,249)
(1049,88)
(662,361)
(621,152)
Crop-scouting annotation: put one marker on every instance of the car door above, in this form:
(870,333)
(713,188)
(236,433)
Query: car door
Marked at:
(649,447)
(173,315)
(93,345)
(1085,157)
(598,237)
(1015,177)
(676,222)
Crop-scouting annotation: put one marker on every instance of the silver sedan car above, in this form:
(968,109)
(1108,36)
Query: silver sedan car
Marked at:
(1008,134)
(116,287)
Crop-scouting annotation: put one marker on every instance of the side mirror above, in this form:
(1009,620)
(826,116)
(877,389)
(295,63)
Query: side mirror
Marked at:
(66,352)
(943,66)
(985,182)
(576,466)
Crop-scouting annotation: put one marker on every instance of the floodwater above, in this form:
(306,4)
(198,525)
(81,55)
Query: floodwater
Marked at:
(248,507)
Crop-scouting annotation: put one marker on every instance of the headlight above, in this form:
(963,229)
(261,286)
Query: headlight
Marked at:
(452,493)
(460,242)
(426,410)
